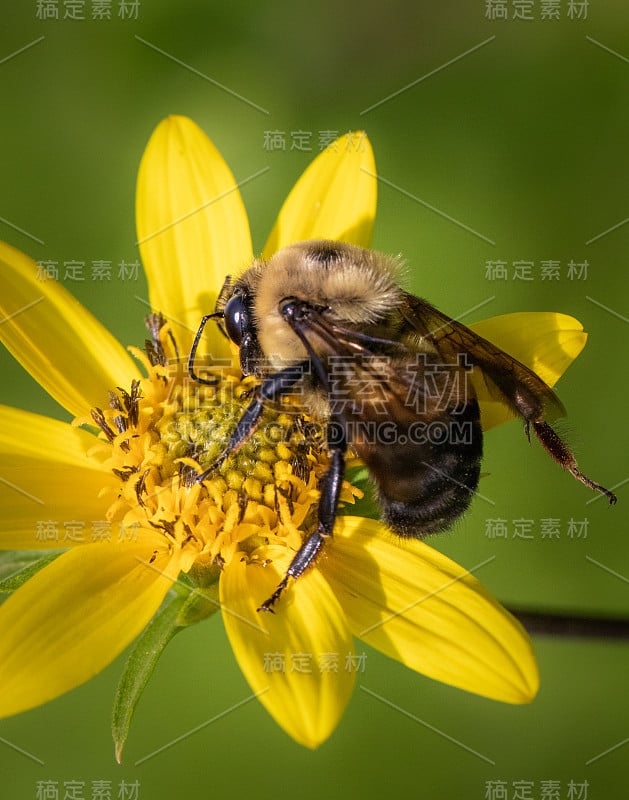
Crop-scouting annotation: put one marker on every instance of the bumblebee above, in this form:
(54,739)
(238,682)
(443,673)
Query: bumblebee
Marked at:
(392,377)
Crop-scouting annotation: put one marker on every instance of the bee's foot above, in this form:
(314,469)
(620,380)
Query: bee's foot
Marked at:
(268,604)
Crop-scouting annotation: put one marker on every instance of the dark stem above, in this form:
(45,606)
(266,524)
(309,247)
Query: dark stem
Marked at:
(572,625)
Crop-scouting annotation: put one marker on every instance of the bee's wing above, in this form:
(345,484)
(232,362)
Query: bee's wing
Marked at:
(377,375)
(505,378)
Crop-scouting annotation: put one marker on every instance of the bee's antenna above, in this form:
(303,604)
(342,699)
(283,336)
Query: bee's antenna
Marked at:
(195,345)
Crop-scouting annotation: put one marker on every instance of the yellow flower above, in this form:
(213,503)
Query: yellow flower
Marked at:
(116,496)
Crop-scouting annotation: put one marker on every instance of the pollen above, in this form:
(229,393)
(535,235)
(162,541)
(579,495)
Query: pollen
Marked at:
(164,431)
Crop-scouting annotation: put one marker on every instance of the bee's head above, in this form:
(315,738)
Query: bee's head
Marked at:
(348,284)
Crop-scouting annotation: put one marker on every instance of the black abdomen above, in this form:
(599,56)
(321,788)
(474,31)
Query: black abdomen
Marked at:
(429,472)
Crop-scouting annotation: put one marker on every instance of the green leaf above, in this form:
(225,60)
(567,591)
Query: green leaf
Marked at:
(17,566)
(144,656)
(179,610)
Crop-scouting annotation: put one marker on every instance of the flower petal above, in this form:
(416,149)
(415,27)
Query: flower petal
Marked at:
(74,617)
(416,605)
(56,339)
(192,227)
(283,655)
(547,342)
(335,198)
(49,489)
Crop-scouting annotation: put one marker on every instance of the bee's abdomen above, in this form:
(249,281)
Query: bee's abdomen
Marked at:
(426,484)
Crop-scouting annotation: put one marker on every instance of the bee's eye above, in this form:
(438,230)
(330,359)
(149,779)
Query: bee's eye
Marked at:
(236,319)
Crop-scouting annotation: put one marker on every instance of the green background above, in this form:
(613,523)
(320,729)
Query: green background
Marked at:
(523,140)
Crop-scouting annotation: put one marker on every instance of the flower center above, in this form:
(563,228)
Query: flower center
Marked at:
(167,430)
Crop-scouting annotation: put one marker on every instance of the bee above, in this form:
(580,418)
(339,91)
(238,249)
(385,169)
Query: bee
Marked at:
(393,378)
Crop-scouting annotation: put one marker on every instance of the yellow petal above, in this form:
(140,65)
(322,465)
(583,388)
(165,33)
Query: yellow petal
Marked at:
(49,486)
(335,198)
(56,339)
(74,617)
(547,342)
(192,227)
(416,605)
(296,658)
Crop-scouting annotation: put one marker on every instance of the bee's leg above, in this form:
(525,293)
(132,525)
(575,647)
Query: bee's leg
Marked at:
(273,388)
(561,453)
(532,411)
(332,483)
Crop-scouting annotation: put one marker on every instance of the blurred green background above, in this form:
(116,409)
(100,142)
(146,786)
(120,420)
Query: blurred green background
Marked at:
(517,129)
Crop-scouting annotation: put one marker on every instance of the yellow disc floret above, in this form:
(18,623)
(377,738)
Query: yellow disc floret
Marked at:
(168,429)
